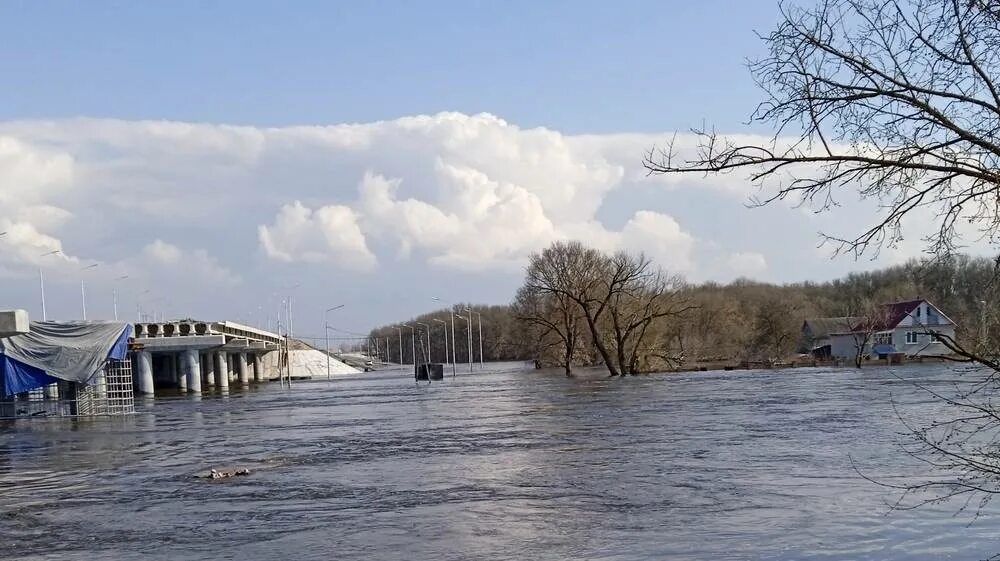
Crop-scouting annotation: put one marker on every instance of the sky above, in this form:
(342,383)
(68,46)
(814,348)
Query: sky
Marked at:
(215,158)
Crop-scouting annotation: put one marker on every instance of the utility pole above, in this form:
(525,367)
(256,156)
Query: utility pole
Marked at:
(326,333)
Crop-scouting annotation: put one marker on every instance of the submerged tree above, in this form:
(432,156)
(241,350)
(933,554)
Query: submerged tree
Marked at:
(898,101)
(555,320)
(622,294)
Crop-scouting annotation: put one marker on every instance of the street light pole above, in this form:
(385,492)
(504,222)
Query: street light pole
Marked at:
(469,336)
(479,318)
(413,345)
(83,291)
(400,330)
(41,282)
(114,294)
(428,328)
(454,342)
(326,333)
(444,325)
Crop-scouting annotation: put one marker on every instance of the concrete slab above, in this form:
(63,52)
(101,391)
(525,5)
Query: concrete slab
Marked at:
(183,343)
(13,322)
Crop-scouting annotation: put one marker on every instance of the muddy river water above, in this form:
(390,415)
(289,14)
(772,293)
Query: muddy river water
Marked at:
(508,464)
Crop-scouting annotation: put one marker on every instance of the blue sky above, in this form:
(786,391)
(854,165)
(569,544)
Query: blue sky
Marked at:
(373,153)
(576,66)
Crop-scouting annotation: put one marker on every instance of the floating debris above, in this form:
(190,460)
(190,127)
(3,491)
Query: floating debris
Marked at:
(223,474)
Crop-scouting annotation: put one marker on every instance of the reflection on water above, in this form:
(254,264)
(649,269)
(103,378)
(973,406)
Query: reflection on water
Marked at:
(508,465)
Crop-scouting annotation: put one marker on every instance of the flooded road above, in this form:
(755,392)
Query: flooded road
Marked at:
(504,465)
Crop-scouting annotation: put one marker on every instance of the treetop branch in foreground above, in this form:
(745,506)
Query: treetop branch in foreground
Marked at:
(898,101)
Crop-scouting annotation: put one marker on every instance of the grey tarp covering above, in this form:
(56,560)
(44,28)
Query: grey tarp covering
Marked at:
(71,351)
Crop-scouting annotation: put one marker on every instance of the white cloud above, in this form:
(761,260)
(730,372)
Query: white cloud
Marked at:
(452,192)
(328,233)
(660,237)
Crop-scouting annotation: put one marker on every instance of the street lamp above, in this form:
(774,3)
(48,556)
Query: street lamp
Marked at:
(326,333)
(413,345)
(400,330)
(454,361)
(114,294)
(480,319)
(83,290)
(468,320)
(290,329)
(444,324)
(41,281)
(428,329)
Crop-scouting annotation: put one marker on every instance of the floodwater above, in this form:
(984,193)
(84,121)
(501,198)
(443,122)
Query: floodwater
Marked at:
(496,465)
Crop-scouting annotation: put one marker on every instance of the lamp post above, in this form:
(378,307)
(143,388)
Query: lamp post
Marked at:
(479,318)
(41,281)
(413,345)
(114,294)
(400,330)
(444,325)
(454,360)
(326,333)
(468,320)
(428,329)
(83,290)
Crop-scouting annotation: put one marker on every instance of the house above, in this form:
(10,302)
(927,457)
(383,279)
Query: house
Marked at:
(816,334)
(906,328)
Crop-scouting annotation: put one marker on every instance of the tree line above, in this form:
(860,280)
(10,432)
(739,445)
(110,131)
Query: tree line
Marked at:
(578,306)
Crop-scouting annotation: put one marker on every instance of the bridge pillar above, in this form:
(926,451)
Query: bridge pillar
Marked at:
(208,369)
(241,368)
(179,377)
(258,369)
(191,369)
(221,374)
(144,372)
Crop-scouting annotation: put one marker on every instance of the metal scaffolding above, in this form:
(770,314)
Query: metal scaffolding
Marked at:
(110,394)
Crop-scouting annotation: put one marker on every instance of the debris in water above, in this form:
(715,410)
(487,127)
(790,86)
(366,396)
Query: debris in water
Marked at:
(223,474)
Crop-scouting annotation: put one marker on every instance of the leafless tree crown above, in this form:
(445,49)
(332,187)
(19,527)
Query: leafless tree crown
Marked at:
(897,100)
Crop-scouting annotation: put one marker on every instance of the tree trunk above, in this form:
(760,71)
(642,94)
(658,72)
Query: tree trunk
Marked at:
(601,348)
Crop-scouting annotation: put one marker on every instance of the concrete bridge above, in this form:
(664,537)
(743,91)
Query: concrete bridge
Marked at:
(195,355)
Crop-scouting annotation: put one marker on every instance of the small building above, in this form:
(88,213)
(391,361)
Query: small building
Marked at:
(817,332)
(908,328)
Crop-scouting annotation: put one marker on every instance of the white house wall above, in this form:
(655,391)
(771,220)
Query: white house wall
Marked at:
(843,347)
(925,344)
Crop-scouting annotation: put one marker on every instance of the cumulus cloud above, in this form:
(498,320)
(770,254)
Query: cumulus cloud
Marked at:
(329,233)
(452,192)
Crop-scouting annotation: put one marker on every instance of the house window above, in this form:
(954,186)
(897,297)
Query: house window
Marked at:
(912,337)
(884,338)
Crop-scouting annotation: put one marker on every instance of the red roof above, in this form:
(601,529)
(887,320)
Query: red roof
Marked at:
(890,317)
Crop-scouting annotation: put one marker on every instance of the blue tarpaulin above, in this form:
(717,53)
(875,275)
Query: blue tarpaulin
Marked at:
(60,351)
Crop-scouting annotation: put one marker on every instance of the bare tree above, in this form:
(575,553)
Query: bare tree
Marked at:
(584,276)
(646,296)
(554,315)
(868,319)
(897,100)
